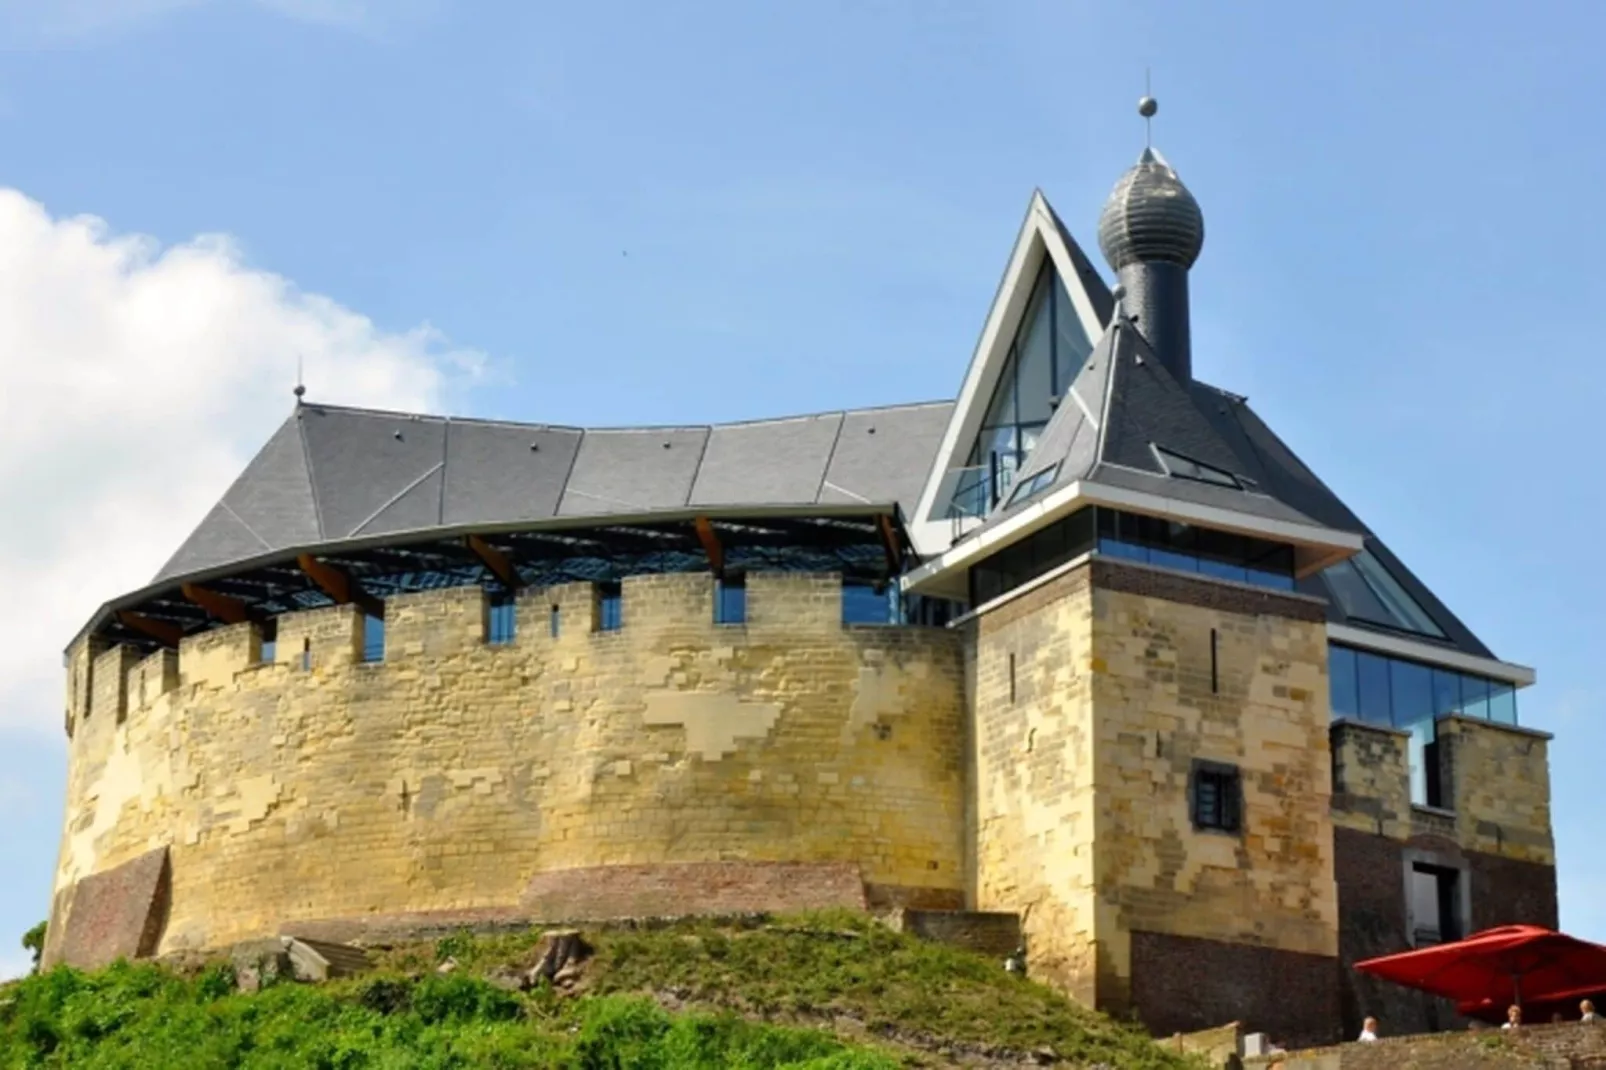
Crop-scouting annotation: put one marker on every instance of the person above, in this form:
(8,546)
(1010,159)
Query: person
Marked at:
(1368,1031)
(1586,1011)
(1513,1017)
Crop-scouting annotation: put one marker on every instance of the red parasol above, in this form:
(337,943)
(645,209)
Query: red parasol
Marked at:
(1511,964)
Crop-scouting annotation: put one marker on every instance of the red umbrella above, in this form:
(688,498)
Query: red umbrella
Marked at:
(1510,964)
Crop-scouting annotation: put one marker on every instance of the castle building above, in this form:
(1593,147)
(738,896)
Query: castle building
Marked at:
(1089,645)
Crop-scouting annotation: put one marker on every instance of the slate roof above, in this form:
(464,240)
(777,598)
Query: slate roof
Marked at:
(332,473)
(1123,400)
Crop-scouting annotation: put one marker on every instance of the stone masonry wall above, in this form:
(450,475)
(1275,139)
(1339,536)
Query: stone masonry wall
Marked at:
(1093,695)
(1495,831)
(1182,673)
(452,773)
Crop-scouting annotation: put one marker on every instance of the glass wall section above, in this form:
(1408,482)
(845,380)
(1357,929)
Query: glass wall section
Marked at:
(1189,549)
(1366,592)
(501,619)
(928,612)
(610,607)
(373,638)
(1412,696)
(1049,348)
(1040,552)
(730,599)
(868,603)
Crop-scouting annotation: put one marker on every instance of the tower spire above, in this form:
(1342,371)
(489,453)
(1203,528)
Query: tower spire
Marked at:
(1147,106)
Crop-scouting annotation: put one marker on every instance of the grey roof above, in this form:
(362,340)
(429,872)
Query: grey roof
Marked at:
(332,473)
(1124,400)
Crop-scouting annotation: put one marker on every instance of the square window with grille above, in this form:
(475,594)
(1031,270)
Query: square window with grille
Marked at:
(1215,797)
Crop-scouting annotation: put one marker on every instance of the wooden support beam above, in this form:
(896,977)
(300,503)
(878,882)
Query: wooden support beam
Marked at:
(711,546)
(335,583)
(159,630)
(223,607)
(889,543)
(495,561)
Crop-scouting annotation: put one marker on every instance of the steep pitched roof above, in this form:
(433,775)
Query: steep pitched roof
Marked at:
(333,473)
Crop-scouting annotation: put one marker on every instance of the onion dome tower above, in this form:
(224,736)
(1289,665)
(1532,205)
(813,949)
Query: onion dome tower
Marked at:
(1151,232)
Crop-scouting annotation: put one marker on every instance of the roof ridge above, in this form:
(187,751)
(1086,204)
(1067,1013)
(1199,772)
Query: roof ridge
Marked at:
(357,410)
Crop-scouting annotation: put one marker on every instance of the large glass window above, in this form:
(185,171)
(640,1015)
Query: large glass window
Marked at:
(373,638)
(1368,593)
(1412,696)
(610,607)
(1038,553)
(730,599)
(868,603)
(1048,350)
(1220,555)
(501,619)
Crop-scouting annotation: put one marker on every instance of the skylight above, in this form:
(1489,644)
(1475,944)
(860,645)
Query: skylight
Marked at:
(1029,487)
(1175,464)
(1369,594)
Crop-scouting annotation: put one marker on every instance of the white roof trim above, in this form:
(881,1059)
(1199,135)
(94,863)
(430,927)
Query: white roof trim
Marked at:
(1432,653)
(1039,237)
(1329,545)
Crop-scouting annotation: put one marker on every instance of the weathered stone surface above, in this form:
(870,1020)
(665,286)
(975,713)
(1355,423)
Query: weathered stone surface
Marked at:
(118,913)
(608,892)
(444,778)
(996,934)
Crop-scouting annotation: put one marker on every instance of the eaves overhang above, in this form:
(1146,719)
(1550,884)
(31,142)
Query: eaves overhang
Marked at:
(1315,547)
(865,522)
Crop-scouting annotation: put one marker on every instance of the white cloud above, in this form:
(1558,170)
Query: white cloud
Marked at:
(135,382)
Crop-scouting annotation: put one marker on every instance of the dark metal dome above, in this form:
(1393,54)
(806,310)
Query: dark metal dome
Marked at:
(1150,217)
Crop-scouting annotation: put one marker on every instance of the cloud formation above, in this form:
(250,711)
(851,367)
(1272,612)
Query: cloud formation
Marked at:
(135,382)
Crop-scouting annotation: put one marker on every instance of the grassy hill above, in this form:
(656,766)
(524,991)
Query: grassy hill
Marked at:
(826,992)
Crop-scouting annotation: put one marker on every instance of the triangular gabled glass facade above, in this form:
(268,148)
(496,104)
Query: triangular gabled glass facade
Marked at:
(1050,346)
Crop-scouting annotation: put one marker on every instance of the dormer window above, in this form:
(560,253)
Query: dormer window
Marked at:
(1028,487)
(1180,467)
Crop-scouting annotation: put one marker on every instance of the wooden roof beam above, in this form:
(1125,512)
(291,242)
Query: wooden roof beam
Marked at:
(711,546)
(159,630)
(225,608)
(889,544)
(339,585)
(495,561)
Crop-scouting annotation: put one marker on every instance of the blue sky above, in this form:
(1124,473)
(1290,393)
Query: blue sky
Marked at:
(632,212)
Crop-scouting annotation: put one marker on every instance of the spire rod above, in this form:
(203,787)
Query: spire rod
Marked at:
(1146,108)
(301,387)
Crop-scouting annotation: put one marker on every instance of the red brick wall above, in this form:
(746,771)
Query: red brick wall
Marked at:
(1183,984)
(116,914)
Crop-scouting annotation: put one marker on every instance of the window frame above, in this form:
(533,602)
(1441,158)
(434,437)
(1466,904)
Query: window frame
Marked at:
(1229,780)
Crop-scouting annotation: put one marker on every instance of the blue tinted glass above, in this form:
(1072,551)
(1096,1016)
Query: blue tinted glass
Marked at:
(1446,692)
(1475,697)
(730,602)
(1183,562)
(1373,674)
(1346,688)
(501,621)
(1223,570)
(270,650)
(1423,733)
(610,610)
(1411,687)
(373,638)
(1277,581)
(1502,703)
(862,604)
(1121,548)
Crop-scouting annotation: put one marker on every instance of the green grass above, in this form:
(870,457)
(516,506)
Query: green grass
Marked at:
(821,968)
(824,992)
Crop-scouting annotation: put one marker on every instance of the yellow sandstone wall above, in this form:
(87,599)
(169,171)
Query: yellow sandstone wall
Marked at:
(451,773)
(1082,773)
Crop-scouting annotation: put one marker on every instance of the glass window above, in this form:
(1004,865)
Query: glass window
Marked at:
(1403,610)
(1187,468)
(1372,672)
(1034,485)
(1034,350)
(270,643)
(553,620)
(1411,689)
(610,607)
(862,603)
(501,620)
(1446,692)
(1355,598)
(1346,694)
(1072,346)
(373,638)
(1475,697)
(1216,797)
(730,600)
(1502,702)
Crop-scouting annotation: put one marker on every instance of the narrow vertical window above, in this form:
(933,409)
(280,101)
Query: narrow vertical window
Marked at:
(554,619)
(1216,797)
(306,655)
(1215,678)
(501,622)
(610,607)
(373,638)
(270,642)
(730,599)
(1012,678)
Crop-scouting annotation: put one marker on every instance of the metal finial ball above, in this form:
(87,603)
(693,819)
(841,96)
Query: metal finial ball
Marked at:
(300,391)
(1147,107)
